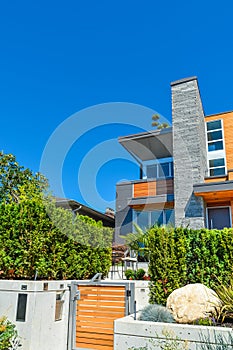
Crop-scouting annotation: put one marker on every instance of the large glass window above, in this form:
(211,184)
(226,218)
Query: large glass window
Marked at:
(145,219)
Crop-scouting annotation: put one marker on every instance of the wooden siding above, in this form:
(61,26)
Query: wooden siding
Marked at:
(153,188)
(228,136)
(144,189)
(230,174)
(216,179)
(218,196)
(97,309)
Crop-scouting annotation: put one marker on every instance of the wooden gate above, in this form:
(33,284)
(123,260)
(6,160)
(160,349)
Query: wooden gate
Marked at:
(94,307)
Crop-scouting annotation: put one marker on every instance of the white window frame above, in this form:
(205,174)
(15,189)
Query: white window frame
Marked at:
(212,155)
(219,207)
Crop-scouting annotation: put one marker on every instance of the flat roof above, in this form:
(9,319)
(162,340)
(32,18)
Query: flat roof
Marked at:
(149,145)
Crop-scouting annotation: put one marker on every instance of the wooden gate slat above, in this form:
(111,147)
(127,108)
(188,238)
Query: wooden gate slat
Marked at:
(96,311)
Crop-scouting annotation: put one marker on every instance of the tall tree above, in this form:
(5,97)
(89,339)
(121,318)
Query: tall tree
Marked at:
(16,182)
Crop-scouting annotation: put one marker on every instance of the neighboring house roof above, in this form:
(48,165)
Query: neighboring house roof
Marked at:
(71,204)
(149,145)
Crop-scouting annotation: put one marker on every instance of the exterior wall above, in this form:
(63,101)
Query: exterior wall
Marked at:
(189,152)
(40,330)
(227,130)
(123,220)
(153,188)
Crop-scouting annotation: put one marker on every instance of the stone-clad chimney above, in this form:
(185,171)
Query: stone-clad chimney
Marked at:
(189,152)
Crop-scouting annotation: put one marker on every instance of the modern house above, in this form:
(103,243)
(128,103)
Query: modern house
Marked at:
(186,169)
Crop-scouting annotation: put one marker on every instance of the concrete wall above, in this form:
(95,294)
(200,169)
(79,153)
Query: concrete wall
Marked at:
(40,331)
(131,334)
(189,152)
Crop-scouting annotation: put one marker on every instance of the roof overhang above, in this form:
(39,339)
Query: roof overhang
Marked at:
(155,144)
(82,209)
(214,191)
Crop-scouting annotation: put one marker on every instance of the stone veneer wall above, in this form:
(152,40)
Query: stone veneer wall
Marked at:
(189,152)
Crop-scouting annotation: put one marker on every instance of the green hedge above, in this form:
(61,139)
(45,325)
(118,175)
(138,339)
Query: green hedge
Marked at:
(181,256)
(51,246)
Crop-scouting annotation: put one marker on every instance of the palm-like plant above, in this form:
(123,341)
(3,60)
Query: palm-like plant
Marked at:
(138,241)
(225,294)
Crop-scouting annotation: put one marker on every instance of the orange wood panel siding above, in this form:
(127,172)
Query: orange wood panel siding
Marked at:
(218,204)
(228,134)
(230,175)
(144,189)
(216,179)
(220,196)
(97,309)
(153,188)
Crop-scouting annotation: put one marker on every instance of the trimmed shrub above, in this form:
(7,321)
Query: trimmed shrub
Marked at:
(167,267)
(54,246)
(179,256)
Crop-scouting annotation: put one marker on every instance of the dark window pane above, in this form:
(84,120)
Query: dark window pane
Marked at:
(215,146)
(21,307)
(164,170)
(217,171)
(142,219)
(216,124)
(151,171)
(216,162)
(172,171)
(170,216)
(156,217)
(214,135)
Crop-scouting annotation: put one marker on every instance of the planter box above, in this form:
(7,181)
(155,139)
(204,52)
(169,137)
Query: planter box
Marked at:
(130,333)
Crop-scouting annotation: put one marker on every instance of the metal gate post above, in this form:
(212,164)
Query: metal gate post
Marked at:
(74,296)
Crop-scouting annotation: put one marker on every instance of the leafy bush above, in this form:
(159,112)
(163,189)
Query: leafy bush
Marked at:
(54,246)
(130,274)
(37,238)
(179,256)
(139,274)
(156,313)
(135,275)
(9,339)
(167,266)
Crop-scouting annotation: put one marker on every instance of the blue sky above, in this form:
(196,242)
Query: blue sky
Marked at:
(58,58)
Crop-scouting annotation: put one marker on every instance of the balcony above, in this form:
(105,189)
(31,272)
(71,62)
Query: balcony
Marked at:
(152,194)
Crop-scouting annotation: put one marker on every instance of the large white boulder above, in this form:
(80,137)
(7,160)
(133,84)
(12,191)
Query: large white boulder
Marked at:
(192,302)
